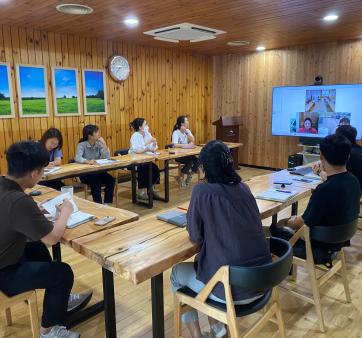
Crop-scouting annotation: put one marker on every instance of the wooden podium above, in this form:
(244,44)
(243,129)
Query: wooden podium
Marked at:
(227,130)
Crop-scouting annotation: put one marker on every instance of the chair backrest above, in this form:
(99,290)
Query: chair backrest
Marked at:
(121,152)
(170,145)
(266,276)
(334,234)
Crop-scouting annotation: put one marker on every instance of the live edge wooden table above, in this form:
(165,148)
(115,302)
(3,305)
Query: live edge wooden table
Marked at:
(98,210)
(144,249)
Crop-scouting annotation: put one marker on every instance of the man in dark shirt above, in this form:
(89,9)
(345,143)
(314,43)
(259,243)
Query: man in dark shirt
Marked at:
(24,265)
(335,201)
(354,164)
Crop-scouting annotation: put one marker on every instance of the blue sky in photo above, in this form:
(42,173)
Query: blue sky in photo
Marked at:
(4,83)
(65,83)
(32,82)
(93,82)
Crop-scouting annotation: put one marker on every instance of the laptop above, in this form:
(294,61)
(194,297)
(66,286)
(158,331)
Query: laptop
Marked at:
(174,217)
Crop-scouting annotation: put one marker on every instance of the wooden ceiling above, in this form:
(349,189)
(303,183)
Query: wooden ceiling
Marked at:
(273,23)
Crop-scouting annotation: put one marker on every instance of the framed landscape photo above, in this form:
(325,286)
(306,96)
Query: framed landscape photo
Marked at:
(32,91)
(6,96)
(66,91)
(94,87)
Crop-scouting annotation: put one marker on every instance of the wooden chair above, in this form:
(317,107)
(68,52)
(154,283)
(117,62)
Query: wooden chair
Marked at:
(30,298)
(326,234)
(177,165)
(263,278)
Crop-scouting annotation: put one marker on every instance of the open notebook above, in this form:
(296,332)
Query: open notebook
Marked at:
(76,218)
(276,195)
(174,217)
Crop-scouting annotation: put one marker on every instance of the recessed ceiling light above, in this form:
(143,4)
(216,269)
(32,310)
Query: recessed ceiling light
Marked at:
(74,9)
(238,43)
(260,48)
(131,21)
(330,17)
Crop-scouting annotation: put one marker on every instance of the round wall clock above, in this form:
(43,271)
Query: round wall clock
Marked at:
(118,68)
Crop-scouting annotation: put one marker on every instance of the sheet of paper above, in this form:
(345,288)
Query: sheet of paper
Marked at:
(48,171)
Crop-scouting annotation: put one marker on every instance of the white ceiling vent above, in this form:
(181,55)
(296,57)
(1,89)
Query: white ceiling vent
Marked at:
(184,32)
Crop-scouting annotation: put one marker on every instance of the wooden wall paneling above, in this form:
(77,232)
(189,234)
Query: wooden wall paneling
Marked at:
(242,85)
(161,86)
(168,115)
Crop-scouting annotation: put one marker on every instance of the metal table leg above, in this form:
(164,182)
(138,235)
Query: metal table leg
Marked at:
(109,304)
(57,252)
(134,185)
(167,181)
(158,329)
(295,209)
(150,186)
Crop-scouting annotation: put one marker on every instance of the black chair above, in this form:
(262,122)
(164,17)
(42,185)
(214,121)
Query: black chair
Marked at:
(326,234)
(121,152)
(263,279)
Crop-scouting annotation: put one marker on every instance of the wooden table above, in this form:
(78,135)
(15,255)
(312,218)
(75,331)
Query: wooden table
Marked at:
(144,249)
(178,153)
(87,229)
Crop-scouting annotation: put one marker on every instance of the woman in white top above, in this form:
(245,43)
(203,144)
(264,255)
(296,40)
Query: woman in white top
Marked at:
(183,138)
(142,142)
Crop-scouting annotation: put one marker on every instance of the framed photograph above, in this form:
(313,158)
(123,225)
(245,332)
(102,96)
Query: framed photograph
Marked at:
(94,87)
(6,96)
(66,91)
(32,91)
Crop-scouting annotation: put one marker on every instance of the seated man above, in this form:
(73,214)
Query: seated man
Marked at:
(354,163)
(25,265)
(334,202)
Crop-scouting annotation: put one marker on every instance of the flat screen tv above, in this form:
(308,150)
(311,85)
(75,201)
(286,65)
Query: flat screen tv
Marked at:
(316,111)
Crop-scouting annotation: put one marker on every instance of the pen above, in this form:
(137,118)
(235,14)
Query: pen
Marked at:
(285,191)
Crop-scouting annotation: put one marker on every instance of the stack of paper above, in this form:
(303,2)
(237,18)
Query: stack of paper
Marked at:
(75,219)
(276,195)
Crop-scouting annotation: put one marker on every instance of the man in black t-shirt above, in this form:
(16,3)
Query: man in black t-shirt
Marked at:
(354,164)
(24,261)
(335,201)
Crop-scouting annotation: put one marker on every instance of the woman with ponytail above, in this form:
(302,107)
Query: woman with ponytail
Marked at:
(183,138)
(223,219)
(141,142)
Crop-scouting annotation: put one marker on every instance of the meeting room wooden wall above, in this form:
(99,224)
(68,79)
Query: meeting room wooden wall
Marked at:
(163,84)
(243,86)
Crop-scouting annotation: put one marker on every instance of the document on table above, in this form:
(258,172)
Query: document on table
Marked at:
(48,171)
(151,153)
(276,195)
(76,218)
(105,161)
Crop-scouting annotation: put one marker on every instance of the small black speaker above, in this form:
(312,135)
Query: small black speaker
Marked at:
(295,160)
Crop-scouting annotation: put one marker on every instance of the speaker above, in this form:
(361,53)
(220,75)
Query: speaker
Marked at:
(295,160)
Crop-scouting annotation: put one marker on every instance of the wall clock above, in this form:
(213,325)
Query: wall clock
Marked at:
(118,68)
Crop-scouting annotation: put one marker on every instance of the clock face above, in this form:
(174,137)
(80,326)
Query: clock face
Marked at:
(119,68)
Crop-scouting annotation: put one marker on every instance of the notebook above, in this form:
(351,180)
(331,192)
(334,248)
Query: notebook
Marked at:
(174,217)
(76,218)
(105,161)
(276,195)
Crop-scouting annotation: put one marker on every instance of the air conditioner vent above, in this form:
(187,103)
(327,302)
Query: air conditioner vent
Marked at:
(184,32)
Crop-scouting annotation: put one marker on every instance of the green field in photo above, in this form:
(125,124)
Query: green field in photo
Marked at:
(67,105)
(95,105)
(5,107)
(34,106)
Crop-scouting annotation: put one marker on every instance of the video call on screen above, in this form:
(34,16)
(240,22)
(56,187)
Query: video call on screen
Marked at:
(316,111)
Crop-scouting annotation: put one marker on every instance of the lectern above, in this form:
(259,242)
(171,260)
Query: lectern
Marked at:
(227,130)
